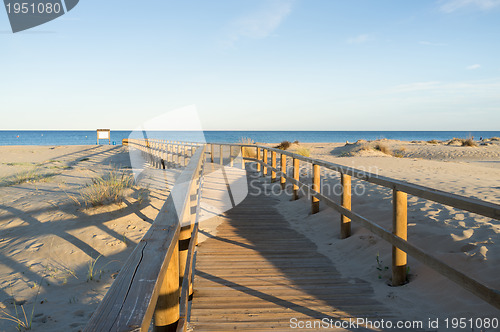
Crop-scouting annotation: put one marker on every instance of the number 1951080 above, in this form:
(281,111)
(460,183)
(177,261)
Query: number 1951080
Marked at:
(27,8)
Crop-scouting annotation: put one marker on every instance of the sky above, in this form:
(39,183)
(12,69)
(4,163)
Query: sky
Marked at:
(257,65)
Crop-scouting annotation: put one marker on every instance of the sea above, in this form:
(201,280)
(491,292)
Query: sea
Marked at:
(82,137)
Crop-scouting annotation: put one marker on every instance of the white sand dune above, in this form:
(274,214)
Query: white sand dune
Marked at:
(47,240)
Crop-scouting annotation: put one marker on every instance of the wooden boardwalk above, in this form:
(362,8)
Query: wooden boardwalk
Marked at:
(258,273)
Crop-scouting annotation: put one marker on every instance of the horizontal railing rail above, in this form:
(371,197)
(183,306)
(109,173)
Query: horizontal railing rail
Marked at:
(156,279)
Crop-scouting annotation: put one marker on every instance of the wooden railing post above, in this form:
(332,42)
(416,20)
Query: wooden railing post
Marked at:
(296,177)
(212,153)
(345,201)
(258,159)
(273,165)
(167,312)
(185,155)
(400,229)
(231,155)
(316,186)
(264,159)
(283,170)
(242,157)
(221,161)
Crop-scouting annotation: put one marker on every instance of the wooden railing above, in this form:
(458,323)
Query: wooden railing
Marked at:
(163,153)
(156,280)
(398,236)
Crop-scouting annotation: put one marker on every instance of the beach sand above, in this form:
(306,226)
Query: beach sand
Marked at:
(58,257)
(47,240)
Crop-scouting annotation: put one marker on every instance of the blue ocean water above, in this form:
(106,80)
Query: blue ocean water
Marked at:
(22,137)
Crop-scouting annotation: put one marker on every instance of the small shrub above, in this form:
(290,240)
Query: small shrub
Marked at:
(107,189)
(283,145)
(433,141)
(495,139)
(383,148)
(469,142)
(296,142)
(303,152)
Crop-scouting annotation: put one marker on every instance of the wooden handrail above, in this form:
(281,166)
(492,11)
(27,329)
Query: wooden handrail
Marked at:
(473,205)
(139,291)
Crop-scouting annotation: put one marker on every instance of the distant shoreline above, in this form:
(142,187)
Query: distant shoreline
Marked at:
(78,137)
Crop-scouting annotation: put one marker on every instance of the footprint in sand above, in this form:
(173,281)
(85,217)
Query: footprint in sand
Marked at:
(466,234)
(114,243)
(33,247)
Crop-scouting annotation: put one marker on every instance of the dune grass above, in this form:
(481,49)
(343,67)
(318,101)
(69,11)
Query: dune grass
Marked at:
(303,152)
(247,151)
(469,142)
(463,141)
(107,189)
(383,148)
(30,176)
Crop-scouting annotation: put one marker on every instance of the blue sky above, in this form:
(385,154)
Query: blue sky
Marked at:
(257,65)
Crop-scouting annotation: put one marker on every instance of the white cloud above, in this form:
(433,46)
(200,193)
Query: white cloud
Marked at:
(472,67)
(262,23)
(359,39)
(450,6)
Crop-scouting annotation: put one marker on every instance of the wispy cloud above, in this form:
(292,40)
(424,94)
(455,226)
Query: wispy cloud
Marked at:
(417,86)
(449,6)
(472,67)
(428,43)
(483,87)
(262,23)
(359,39)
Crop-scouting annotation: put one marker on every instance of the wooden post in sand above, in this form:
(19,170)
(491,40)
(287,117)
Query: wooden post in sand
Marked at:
(345,201)
(296,177)
(167,312)
(242,157)
(221,162)
(212,153)
(283,171)
(273,165)
(185,155)
(231,155)
(258,159)
(264,159)
(400,229)
(316,186)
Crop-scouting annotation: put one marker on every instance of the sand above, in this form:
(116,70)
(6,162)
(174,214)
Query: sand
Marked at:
(58,258)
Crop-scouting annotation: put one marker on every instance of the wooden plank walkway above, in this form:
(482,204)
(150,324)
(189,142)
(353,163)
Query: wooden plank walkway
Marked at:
(257,273)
